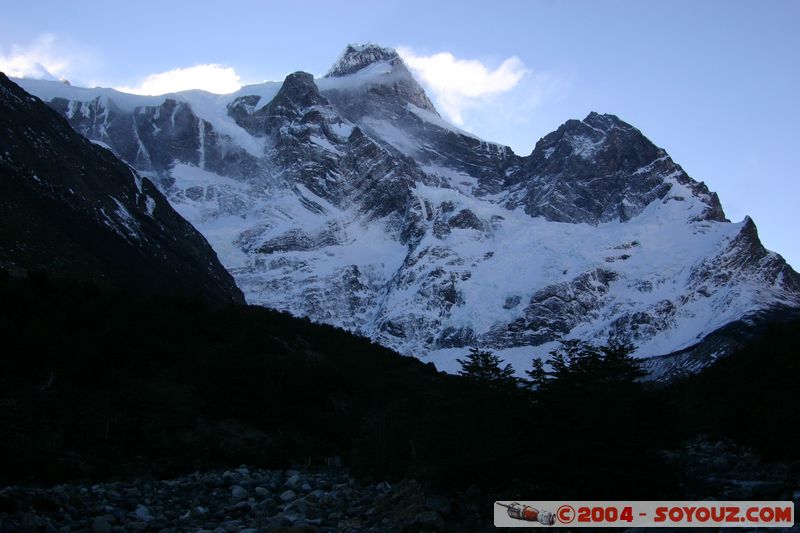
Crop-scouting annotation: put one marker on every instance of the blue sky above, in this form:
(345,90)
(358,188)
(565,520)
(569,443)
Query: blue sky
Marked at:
(715,83)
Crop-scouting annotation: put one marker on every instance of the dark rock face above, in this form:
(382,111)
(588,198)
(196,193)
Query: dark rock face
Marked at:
(299,240)
(243,111)
(378,181)
(555,310)
(74,210)
(292,104)
(744,259)
(297,92)
(153,138)
(466,219)
(597,170)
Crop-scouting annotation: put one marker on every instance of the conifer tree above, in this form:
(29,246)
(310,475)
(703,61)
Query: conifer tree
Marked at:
(482,366)
(538,376)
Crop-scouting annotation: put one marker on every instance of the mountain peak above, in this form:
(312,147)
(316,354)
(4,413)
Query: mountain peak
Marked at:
(600,169)
(299,87)
(357,56)
(605,122)
(390,87)
(597,133)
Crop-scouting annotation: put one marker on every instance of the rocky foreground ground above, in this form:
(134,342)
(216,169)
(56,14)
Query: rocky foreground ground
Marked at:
(722,470)
(242,500)
(249,500)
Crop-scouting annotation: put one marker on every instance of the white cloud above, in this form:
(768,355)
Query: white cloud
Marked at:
(212,78)
(459,84)
(42,59)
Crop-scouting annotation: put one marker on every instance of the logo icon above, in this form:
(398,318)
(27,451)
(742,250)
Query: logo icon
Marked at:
(527,513)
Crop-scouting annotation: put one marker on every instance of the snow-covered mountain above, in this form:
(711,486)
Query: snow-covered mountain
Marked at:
(349,200)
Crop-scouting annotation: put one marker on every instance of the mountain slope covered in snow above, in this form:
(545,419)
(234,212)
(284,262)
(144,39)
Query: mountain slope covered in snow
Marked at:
(349,200)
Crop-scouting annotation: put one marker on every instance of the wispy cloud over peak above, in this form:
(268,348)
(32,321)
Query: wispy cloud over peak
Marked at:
(41,59)
(460,83)
(213,78)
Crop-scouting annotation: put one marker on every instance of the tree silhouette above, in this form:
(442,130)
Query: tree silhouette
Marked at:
(579,365)
(482,366)
(538,376)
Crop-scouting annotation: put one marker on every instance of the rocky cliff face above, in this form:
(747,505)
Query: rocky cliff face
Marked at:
(598,170)
(73,209)
(349,200)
